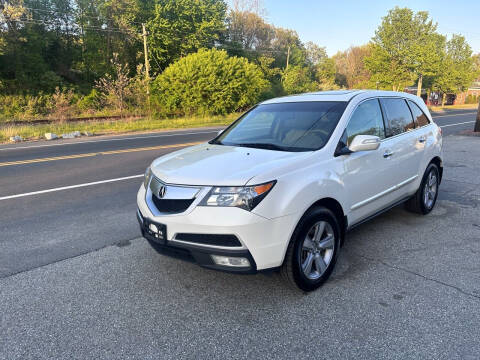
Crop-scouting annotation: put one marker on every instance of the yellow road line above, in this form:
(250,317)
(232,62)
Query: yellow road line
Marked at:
(111,152)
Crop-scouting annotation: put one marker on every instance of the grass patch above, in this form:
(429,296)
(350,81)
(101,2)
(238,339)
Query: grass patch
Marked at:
(439,109)
(32,132)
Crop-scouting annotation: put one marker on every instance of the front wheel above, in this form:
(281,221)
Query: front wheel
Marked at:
(313,249)
(426,196)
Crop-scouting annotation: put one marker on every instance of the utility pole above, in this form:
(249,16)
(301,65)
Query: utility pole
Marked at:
(147,64)
(419,85)
(288,57)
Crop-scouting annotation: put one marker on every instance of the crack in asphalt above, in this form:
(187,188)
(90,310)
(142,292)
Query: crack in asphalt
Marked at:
(475,296)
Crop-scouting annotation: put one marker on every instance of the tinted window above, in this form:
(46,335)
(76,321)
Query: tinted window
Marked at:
(302,126)
(398,115)
(418,116)
(366,120)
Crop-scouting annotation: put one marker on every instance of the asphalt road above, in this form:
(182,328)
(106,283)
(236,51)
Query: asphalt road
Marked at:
(77,282)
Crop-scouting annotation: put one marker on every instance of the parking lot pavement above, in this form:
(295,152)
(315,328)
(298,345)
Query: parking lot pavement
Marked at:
(405,286)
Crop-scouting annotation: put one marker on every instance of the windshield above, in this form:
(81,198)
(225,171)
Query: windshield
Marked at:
(301,126)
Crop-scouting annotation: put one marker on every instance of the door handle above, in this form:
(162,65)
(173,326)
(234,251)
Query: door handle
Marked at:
(422,139)
(387,154)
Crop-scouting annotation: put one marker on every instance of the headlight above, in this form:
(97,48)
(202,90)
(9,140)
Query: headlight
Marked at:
(244,197)
(146,178)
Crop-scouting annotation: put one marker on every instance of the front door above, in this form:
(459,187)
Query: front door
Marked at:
(368,174)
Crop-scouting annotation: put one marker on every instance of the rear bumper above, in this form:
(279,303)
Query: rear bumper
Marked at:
(197,254)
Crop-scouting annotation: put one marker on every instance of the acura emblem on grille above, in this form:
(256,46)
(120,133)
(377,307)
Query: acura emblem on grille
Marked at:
(161,191)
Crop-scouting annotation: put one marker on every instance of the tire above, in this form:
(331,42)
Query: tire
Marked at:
(302,248)
(421,202)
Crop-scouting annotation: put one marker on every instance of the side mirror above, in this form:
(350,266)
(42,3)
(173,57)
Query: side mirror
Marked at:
(364,143)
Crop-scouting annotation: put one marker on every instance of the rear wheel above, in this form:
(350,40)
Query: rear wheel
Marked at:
(426,196)
(313,249)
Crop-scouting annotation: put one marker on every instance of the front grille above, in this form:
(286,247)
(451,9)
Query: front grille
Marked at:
(171,206)
(210,239)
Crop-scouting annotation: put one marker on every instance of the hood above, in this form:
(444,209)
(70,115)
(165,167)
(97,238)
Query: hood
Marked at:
(207,164)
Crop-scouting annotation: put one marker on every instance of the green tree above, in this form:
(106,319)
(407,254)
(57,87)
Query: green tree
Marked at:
(325,73)
(350,67)
(404,49)
(299,79)
(181,27)
(208,82)
(107,27)
(476,62)
(247,31)
(457,68)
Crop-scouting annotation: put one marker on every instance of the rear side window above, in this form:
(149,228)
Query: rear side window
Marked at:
(398,115)
(366,120)
(418,116)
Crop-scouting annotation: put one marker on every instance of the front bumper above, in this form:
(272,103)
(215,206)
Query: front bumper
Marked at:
(198,254)
(262,241)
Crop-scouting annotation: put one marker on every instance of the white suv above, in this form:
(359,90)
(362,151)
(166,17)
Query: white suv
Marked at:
(279,188)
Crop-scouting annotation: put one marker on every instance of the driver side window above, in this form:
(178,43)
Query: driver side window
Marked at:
(366,120)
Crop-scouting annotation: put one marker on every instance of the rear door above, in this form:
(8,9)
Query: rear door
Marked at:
(424,136)
(401,145)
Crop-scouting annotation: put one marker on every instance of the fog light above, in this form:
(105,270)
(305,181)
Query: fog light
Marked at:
(231,261)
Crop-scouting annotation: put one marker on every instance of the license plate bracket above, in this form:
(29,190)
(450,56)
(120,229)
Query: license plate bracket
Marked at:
(157,231)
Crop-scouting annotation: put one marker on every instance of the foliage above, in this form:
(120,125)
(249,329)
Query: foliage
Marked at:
(298,79)
(21,107)
(208,82)
(351,71)
(56,57)
(476,64)
(91,102)
(180,27)
(61,104)
(457,67)
(116,87)
(405,45)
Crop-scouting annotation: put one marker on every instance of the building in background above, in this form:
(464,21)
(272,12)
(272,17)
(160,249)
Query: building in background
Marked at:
(470,96)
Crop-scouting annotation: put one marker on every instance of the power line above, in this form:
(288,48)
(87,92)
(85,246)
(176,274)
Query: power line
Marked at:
(119,30)
(81,15)
(88,27)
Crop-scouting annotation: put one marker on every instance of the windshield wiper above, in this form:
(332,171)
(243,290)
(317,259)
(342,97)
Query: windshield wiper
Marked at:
(263,146)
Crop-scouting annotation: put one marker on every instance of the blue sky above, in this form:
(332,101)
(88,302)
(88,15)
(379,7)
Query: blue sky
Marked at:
(341,23)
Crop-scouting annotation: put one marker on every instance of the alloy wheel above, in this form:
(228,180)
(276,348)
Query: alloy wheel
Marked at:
(317,250)
(430,190)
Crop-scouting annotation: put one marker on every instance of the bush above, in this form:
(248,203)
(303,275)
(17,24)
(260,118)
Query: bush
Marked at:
(24,107)
(90,102)
(61,105)
(208,82)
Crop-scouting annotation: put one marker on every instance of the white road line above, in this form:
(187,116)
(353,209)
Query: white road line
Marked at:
(447,115)
(466,122)
(104,140)
(70,187)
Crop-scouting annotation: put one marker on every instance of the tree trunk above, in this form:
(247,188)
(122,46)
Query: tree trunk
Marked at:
(419,86)
(477,123)
(444,98)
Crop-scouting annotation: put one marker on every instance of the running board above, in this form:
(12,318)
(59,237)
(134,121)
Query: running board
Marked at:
(368,218)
